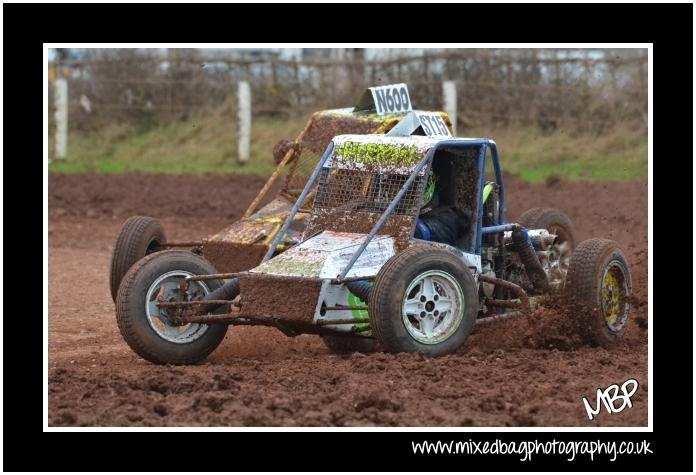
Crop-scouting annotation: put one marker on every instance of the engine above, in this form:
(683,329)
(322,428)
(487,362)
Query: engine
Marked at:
(509,266)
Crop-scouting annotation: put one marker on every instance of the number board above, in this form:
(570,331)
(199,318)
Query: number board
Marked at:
(433,124)
(391,99)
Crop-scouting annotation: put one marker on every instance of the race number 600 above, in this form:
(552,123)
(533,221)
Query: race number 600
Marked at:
(392,99)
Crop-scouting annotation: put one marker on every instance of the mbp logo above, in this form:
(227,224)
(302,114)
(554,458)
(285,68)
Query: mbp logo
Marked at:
(609,396)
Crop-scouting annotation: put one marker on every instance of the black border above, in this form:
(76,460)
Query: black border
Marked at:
(26,27)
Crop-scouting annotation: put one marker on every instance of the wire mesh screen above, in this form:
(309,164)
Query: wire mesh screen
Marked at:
(321,130)
(366,190)
(298,171)
(398,226)
(363,179)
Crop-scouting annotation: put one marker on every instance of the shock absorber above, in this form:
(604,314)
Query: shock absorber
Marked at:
(528,256)
(228,291)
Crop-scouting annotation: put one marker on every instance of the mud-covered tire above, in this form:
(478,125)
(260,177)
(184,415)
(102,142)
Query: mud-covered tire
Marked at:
(340,345)
(395,328)
(553,220)
(132,317)
(139,236)
(599,280)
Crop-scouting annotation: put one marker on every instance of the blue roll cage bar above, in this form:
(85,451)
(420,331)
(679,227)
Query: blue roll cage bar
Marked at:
(483,144)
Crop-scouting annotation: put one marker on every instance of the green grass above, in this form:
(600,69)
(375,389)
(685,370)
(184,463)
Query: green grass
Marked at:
(618,155)
(191,146)
(208,145)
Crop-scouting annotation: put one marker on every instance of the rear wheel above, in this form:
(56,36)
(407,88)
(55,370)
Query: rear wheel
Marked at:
(423,300)
(139,236)
(150,329)
(599,279)
(556,259)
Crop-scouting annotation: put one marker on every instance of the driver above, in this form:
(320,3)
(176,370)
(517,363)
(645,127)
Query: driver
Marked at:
(440,222)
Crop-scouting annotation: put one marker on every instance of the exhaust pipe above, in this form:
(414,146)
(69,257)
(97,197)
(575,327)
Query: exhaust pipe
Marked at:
(228,291)
(361,288)
(541,238)
(525,249)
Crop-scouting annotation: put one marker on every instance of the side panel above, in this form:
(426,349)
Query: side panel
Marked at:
(289,299)
(368,264)
(333,295)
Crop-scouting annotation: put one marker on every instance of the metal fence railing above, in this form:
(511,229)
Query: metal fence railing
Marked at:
(579,89)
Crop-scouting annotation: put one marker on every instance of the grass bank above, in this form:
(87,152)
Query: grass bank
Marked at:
(208,145)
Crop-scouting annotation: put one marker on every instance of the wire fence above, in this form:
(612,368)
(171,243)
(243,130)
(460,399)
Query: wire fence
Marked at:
(576,89)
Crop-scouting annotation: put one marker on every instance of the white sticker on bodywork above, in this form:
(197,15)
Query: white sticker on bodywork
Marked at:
(380,249)
(472,260)
(327,254)
(433,124)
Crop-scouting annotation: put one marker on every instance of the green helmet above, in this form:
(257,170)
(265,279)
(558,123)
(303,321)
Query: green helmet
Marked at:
(429,189)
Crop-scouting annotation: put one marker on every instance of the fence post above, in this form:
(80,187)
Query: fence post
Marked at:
(61,116)
(449,98)
(244,121)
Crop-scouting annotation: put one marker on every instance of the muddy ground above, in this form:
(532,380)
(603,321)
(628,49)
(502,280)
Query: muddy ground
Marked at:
(520,373)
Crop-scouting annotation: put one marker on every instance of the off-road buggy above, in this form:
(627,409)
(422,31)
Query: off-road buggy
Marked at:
(243,244)
(357,275)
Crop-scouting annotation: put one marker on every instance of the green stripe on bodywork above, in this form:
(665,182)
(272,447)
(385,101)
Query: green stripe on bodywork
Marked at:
(354,300)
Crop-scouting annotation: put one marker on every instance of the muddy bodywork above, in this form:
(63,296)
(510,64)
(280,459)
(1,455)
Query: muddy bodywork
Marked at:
(289,286)
(368,197)
(324,256)
(243,244)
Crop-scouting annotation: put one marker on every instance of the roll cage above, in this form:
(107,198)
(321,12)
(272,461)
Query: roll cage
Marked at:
(412,171)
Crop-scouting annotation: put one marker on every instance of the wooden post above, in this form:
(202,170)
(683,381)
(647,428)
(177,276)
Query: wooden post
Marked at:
(449,99)
(61,116)
(244,120)
(274,73)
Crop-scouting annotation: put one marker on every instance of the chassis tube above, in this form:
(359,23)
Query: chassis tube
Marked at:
(497,229)
(308,187)
(499,178)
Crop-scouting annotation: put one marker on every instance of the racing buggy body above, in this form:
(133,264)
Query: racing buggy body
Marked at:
(243,244)
(367,271)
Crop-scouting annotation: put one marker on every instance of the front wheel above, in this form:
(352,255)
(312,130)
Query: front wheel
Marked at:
(424,300)
(147,327)
(600,281)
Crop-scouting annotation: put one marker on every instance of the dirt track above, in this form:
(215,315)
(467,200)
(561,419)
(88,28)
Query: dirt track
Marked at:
(520,373)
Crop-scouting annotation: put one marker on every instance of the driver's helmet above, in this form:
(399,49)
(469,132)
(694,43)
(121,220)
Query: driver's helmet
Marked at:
(429,189)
